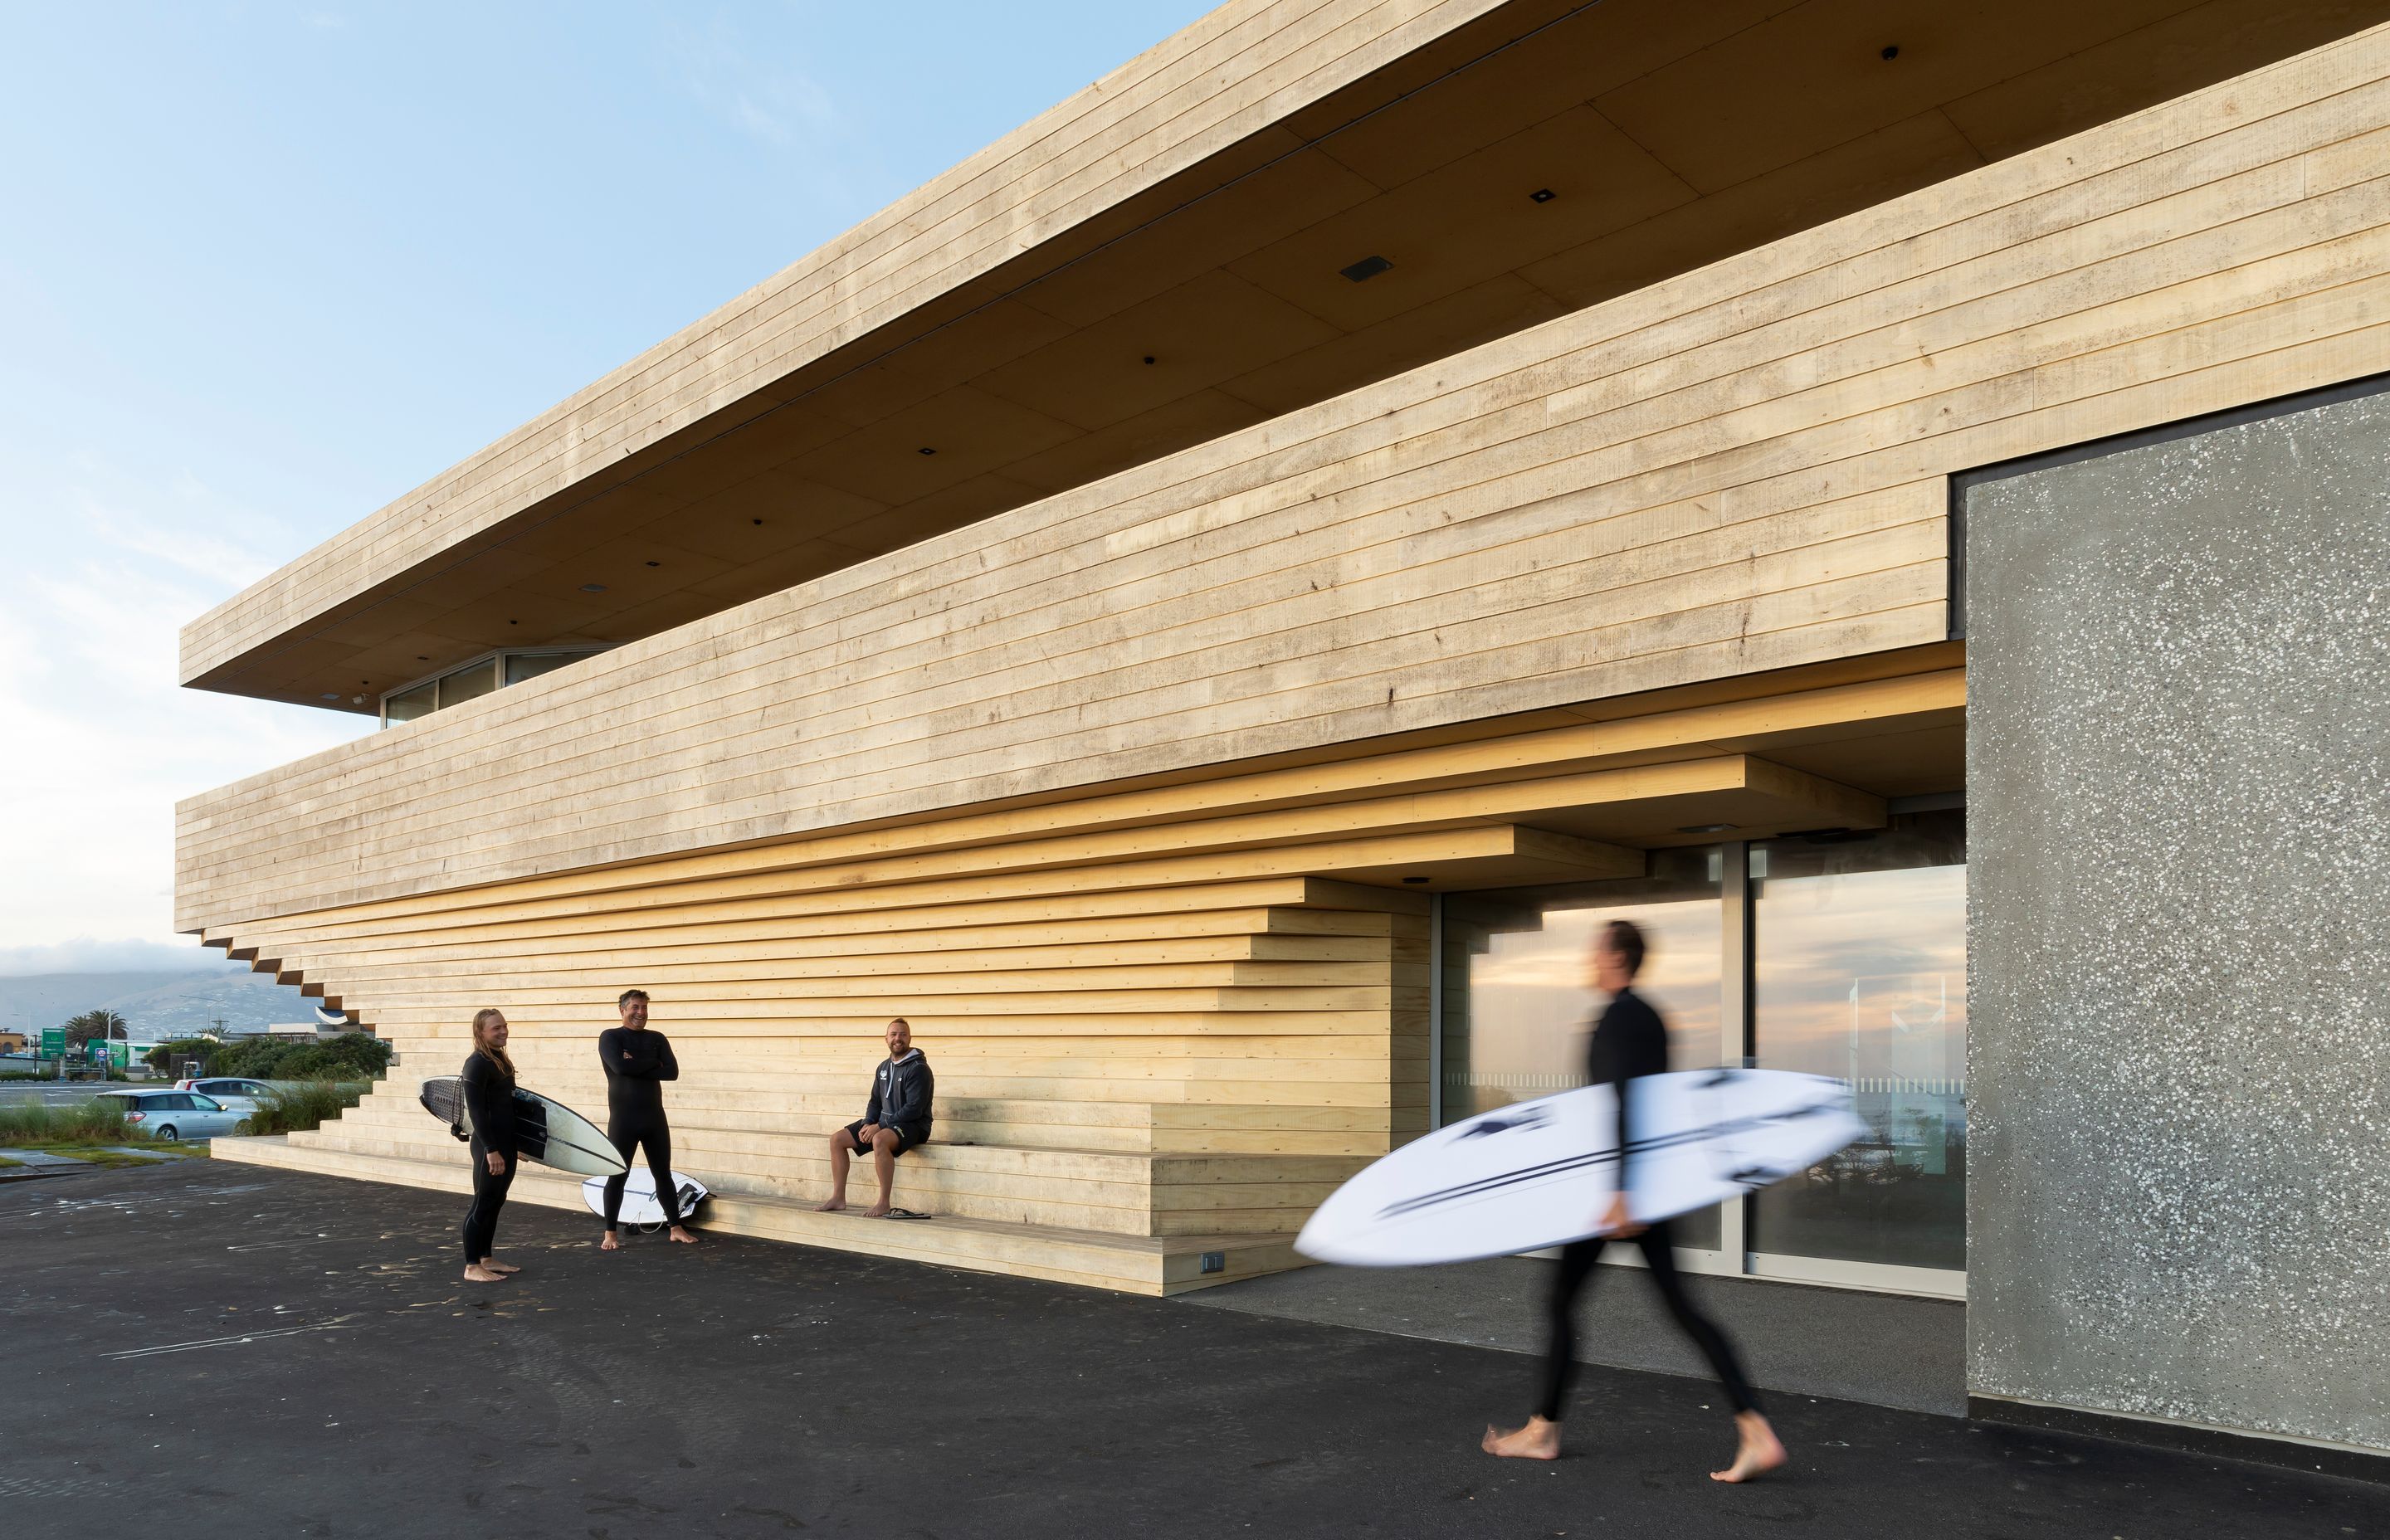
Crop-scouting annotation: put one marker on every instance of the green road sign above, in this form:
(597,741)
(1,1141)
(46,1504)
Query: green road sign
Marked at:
(54,1042)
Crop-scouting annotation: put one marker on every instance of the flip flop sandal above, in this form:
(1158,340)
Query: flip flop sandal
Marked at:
(904,1213)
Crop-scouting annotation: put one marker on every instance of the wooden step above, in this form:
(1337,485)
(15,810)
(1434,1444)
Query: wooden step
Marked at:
(1158,1127)
(1128,1264)
(1121,1192)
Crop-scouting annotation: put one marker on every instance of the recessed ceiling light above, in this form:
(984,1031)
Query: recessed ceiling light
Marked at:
(1366,269)
(926,450)
(423,658)
(331,695)
(592,587)
(1542,195)
(655,563)
(1415,880)
(1149,358)
(758,522)
(1703,828)
(1890,52)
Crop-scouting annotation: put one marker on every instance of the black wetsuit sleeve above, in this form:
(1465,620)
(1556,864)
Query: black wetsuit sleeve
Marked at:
(1631,1041)
(638,1054)
(490,1102)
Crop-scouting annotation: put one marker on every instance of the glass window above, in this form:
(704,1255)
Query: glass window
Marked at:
(1860,971)
(1518,1006)
(468,683)
(407,705)
(531,665)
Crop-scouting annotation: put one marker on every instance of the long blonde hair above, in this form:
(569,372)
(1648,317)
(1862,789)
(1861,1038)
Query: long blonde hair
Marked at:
(481,1019)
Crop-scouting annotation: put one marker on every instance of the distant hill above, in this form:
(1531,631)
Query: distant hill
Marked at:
(155,1004)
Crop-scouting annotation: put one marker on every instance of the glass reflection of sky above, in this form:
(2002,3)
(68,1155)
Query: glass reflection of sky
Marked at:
(1530,1006)
(1864,974)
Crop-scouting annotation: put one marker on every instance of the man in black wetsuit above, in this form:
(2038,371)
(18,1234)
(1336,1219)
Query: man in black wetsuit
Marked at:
(638,1059)
(1631,1041)
(896,1119)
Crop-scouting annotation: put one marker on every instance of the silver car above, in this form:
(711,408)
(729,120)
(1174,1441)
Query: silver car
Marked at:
(172,1115)
(235,1094)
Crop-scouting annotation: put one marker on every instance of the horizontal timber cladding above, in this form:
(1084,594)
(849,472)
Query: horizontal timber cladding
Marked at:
(1160,1017)
(1201,1063)
(1736,469)
(1232,73)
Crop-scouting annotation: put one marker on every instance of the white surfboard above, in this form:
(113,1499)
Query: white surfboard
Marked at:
(1538,1173)
(545,1130)
(639,1205)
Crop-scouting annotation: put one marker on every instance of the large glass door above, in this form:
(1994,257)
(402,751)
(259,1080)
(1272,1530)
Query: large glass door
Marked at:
(1517,1005)
(1837,954)
(1860,971)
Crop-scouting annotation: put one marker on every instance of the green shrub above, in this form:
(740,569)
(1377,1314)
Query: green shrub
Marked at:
(295,1109)
(24,1074)
(98,1120)
(351,1056)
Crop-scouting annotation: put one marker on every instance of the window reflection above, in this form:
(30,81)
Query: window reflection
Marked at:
(469,683)
(1860,971)
(1517,1006)
(470,680)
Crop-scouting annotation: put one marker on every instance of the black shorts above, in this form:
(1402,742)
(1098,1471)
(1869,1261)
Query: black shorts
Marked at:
(906,1137)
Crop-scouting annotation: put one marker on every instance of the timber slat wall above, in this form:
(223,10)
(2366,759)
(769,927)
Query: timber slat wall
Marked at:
(1166,1028)
(1740,468)
(1233,72)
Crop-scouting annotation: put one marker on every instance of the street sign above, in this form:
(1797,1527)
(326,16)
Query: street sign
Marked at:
(54,1042)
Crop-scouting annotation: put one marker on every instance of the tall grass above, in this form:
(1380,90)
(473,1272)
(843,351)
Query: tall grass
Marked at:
(295,1109)
(94,1122)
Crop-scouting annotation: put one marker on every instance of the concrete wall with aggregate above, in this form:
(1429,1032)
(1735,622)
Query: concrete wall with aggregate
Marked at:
(2179,807)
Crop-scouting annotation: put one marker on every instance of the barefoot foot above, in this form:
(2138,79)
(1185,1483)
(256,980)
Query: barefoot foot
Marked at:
(831,1207)
(1758,1452)
(504,1269)
(682,1236)
(877,1211)
(478,1274)
(1538,1440)
(611,1243)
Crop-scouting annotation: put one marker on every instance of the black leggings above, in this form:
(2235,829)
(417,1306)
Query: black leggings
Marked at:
(657,1138)
(489,1197)
(1577,1260)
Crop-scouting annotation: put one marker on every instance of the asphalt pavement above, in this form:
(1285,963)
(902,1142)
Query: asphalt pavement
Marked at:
(225,1351)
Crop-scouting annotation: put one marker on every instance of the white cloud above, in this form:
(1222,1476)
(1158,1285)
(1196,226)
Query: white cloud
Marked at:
(739,84)
(87,954)
(102,741)
(226,562)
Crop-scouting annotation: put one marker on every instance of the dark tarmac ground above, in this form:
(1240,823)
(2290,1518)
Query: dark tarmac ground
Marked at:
(214,1350)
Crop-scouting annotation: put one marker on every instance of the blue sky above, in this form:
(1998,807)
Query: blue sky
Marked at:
(264,267)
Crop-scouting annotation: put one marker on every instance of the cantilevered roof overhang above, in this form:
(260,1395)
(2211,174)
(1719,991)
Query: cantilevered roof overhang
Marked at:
(1285,201)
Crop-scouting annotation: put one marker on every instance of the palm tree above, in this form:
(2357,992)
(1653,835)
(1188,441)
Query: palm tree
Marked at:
(106,1025)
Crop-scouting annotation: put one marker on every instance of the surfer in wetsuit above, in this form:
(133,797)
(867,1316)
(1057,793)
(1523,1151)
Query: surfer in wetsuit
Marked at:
(1631,1041)
(489,1078)
(638,1059)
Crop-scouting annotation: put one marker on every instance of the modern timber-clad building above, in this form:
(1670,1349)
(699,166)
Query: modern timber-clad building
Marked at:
(1202,607)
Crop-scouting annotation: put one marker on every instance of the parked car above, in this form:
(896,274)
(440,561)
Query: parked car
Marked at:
(172,1115)
(241,1096)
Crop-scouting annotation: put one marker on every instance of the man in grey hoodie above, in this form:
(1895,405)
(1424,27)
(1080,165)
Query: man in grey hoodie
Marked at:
(896,1119)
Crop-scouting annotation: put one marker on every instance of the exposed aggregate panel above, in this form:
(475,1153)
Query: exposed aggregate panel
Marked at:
(2180,811)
